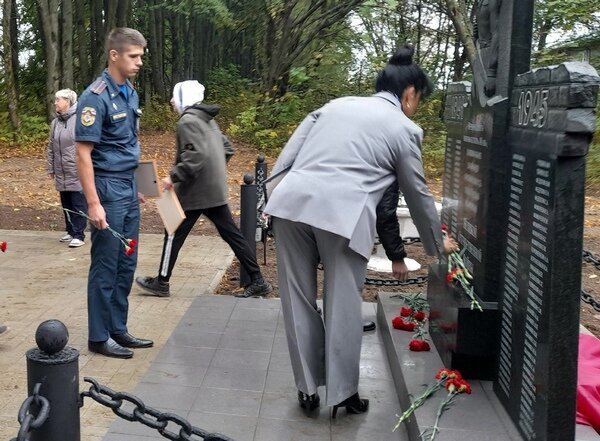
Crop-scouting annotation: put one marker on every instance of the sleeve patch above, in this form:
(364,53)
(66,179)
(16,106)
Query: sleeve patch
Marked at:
(88,116)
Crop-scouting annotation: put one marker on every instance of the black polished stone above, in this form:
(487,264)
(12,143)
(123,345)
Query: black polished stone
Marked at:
(541,270)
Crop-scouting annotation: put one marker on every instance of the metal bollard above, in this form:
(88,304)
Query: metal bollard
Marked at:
(56,367)
(248,213)
(260,169)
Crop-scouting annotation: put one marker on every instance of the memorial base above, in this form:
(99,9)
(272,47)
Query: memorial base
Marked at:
(466,339)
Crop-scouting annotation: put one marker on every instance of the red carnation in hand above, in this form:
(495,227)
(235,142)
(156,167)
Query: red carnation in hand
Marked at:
(405,311)
(444,227)
(132,243)
(450,276)
(419,346)
(3,246)
(419,316)
(129,251)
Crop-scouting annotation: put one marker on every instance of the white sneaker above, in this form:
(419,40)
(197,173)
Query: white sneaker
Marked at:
(76,243)
(66,238)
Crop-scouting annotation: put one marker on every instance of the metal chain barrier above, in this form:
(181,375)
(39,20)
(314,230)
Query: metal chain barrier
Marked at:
(393,282)
(590,257)
(27,418)
(594,259)
(147,415)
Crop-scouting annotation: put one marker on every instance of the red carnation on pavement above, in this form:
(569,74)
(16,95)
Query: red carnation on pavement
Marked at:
(3,246)
(405,311)
(419,316)
(399,323)
(419,346)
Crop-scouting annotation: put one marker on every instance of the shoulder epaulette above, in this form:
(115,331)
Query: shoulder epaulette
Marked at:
(98,86)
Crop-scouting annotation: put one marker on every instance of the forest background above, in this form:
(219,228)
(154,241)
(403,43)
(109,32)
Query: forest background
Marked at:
(266,62)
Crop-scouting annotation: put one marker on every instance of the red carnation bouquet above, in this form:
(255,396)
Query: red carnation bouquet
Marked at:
(459,275)
(455,387)
(443,375)
(412,318)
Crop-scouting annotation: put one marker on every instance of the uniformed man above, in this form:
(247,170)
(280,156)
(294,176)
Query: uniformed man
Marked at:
(106,135)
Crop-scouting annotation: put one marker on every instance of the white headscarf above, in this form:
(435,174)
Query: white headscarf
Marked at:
(186,94)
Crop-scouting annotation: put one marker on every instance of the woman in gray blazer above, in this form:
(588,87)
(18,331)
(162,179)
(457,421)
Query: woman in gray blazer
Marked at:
(341,159)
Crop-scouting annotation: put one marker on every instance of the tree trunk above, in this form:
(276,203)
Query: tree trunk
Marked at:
(67,43)
(96,37)
(49,17)
(155,51)
(122,10)
(14,44)
(84,66)
(457,11)
(9,76)
(543,34)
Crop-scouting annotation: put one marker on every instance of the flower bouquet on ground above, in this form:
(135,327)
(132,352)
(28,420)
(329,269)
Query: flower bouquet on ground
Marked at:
(459,275)
(455,387)
(413,320)
(443,375)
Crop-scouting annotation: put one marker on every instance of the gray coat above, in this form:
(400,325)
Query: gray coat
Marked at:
(61,151)
(200,172)
(343,157)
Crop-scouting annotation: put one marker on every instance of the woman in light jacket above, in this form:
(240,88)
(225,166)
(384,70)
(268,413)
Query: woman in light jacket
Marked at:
(63,169)
(341,160)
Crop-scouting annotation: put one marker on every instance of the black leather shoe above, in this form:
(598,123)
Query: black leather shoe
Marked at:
(257,288)
(308,402)
(129,341)
(353,404)
(110,348)
(368,326)
(153,286)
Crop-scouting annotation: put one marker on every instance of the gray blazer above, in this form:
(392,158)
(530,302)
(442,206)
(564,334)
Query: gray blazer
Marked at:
(343,157)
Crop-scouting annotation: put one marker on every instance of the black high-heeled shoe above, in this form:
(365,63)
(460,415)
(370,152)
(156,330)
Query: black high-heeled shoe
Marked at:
(353,404)
(308,402)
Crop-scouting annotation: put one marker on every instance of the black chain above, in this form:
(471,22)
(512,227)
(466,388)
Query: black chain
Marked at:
(411,240)
(393,282)
(590,257)
(27,419)
(594,259)
(147,415)
(590,300)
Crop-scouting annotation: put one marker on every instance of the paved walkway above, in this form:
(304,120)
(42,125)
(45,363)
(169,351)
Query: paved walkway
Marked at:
(226,368)
(41,279)
(218,361)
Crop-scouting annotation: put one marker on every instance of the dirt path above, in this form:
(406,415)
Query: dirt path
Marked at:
(28,201)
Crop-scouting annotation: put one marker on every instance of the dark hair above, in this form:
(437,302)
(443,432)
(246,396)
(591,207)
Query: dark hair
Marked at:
(120,38)
(400,72)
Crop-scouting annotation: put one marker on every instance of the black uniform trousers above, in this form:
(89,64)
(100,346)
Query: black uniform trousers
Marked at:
(223,220)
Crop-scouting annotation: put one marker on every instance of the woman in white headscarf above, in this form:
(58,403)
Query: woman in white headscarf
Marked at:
(62,167)
(199,178)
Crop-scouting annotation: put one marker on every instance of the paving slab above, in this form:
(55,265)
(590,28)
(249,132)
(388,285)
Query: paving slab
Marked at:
(239,378)
(43,279)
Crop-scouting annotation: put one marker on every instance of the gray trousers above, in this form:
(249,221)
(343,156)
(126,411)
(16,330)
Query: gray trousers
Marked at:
(323,351)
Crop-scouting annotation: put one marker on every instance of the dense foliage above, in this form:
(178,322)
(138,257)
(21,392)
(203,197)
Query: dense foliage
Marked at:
(266,62)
